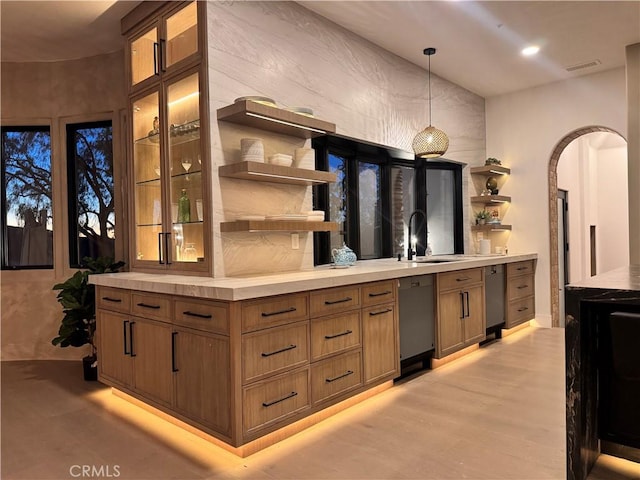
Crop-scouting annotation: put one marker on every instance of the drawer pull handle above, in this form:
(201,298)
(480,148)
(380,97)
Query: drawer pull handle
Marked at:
(522,286)
(146,305)
(114,300)
(279,312)
(341,334)
(522,268)
(286,397)
(523,309)
(199,315)
(342,300)
(346,374)
(289,347)
(381,312)
(462,279)
(386,292)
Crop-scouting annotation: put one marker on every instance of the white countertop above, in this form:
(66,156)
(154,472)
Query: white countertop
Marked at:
(625,278)
(242,288)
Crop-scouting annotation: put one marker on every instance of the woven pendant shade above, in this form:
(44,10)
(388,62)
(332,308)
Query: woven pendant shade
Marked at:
(430,142)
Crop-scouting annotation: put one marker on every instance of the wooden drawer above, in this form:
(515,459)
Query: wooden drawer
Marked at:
(115,299)
(336,375)
(520,287)
(202,314)
(379,292)
(459,279)
(271,351)
(334,334)
(150,305)
(520,268)
(272,311)
(520,311)
(324,302)
(270,401)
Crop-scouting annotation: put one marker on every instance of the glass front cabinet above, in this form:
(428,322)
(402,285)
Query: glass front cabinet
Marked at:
(169,201)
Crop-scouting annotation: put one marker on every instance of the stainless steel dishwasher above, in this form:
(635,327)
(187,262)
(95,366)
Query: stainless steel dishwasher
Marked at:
(494,292)
(417,326)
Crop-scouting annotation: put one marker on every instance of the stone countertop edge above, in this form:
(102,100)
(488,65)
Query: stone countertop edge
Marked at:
(624,278)
(324,276)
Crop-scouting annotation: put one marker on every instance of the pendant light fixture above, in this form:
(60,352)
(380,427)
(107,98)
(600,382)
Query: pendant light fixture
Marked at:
(430,142)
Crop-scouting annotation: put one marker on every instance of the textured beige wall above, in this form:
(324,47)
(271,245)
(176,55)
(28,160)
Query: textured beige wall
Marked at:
(53,94)
(284,51)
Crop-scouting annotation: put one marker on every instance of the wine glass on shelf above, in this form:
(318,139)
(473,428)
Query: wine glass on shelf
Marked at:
(186,164)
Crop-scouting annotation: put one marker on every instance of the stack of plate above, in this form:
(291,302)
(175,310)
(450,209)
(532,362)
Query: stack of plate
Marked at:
(306,111)
(251,150)
(281,159)
(288,216)
(262,100)
(315,216)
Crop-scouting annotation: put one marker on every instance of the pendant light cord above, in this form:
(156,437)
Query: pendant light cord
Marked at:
(429,89)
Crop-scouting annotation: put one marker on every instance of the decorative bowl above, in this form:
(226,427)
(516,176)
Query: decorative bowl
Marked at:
(281,159)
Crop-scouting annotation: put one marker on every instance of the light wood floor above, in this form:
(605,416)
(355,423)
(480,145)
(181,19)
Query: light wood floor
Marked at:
(495,414)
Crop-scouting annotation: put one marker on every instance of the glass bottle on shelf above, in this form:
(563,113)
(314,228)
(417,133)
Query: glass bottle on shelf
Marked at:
(184,207)
(189,254)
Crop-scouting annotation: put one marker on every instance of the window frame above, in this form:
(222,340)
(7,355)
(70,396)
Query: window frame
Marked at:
(72,187)
(355,152)
(4,247)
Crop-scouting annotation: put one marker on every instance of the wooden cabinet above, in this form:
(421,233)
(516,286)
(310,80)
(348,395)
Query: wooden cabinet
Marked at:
(168,150)
(380,342)
(115,362)
(460,310)
(520,292)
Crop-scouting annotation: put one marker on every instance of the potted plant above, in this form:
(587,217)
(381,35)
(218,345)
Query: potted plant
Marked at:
(481,217)
(77,297)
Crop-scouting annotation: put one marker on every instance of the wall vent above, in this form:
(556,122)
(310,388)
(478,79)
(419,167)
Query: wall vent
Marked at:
(582,65)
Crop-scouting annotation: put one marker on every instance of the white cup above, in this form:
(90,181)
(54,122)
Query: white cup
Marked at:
(498,250)
(252,149)
(485,247)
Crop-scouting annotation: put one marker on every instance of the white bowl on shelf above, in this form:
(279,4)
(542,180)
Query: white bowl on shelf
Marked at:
(281,159)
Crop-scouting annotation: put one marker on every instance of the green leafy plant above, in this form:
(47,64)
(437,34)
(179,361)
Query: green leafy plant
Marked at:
(483,215)
(77,297)
(492,161)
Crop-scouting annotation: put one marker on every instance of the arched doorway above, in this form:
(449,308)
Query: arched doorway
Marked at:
(553,213)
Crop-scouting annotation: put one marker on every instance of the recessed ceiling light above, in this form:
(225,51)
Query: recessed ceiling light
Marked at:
(530,50)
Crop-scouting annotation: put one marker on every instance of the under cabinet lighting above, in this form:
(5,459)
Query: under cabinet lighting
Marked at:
(497,172)
(296,125)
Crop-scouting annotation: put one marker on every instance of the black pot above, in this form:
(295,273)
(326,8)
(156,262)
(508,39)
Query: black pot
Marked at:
(90,368)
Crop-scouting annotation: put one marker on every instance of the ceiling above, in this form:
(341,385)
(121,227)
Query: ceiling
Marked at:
(477,42)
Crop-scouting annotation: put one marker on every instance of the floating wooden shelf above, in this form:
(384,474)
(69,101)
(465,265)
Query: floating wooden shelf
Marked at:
(274,119)
(490,199)
(266,172)
(278,226)
(490,227)
(490,170)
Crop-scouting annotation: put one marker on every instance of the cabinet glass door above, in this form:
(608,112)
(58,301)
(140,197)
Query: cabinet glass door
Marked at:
(182,35)
(147,172)
(144,56)
(186,185)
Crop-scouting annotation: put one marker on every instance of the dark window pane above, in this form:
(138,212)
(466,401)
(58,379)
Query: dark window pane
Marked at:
(402,205)
(91,202)
(441,210)
(338,199)
(369,189)
(27,219)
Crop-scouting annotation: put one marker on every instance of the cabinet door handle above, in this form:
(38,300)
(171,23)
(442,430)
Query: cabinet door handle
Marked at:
(522,286)
(163,55)
(462,279)
(468,312)
(289,347)
(342,300)
(380,294)
(198,315)
(166,247)
(131,324)
(146,305)
(173,352)
(462,304)
(523,309)
(381,312)
(114,300)
(346,374)
(155,58)
(286,397)
(279,312)
(336,335)
(124,335)
(160,260)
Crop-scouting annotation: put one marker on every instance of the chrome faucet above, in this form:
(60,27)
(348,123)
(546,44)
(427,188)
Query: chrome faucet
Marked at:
(410,251)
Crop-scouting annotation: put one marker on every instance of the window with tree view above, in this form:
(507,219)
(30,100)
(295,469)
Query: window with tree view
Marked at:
(27,217)
(91,199)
